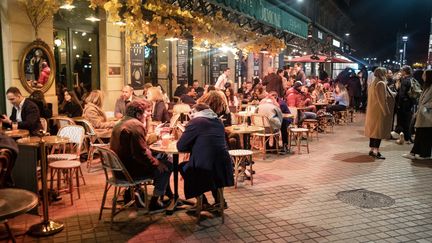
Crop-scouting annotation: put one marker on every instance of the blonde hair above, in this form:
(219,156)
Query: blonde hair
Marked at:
(95,97)
(155,93)
(380,74)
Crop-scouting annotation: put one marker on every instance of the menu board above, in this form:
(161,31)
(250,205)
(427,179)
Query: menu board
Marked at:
(137,66)
(256,67)
(215,69)
(182,61)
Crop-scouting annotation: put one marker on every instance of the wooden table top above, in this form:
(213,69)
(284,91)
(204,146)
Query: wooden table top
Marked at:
(243,113)
(242,129)
(320,103)
(19,133)
(171,149)
(47,139)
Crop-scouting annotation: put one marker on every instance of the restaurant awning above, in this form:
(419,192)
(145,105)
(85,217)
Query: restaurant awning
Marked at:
(269,14)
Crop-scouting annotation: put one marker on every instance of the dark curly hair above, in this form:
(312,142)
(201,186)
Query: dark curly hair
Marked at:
(137,107)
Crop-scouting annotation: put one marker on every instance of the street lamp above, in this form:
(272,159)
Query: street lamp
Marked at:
(401,51)
(405,40)
(347,34)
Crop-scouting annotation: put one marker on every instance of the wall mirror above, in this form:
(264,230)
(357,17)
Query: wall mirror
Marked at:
(37,67)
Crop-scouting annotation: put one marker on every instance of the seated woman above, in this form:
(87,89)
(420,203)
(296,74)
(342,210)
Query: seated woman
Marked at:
(93,111)
(318,94)
(218,103)
(341,99)
(210,166)
(160,112)
(232,99)
(71,106)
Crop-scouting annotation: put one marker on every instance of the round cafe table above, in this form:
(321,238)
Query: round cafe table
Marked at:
(245,131)
(49,140)
(171,149)
(320,105)
(14,202)
(244,115)
(18,133)
(286,115)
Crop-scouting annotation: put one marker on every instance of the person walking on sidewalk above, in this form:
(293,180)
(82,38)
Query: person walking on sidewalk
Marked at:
(423,125)
(379,112)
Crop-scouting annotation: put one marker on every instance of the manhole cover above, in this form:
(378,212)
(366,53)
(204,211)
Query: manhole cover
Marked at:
(365,199)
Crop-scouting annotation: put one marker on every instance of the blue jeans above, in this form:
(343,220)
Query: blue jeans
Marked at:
(160,179)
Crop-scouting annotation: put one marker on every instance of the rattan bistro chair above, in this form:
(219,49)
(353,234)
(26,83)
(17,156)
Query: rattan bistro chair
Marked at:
(112,167)
(266,136)
(94,141)
(71,151)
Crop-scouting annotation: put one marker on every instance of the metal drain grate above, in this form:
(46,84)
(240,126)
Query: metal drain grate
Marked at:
(365,199)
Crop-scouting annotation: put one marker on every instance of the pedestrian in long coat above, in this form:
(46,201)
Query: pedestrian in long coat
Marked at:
(423,139)
(210,165)
(379,112)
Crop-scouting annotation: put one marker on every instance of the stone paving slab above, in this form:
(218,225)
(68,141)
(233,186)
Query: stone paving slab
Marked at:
(293,200)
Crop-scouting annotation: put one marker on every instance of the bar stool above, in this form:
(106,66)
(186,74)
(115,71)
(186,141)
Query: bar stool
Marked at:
(351,114)
(296,135)
(69,169)
(341,117)
(312,125)
(242,158)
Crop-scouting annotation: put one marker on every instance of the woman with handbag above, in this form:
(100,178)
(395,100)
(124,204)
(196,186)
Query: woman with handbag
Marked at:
(423,124)
(379,112)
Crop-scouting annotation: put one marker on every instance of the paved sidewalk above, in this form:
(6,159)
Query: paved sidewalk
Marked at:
(293,199)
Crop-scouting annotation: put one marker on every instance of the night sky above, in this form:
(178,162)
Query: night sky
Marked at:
(376,23)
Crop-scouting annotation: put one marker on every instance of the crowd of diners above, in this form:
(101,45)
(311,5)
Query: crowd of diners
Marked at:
(209,166)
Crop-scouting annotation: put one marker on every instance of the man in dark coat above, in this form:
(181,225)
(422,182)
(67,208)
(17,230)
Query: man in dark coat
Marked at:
(24,112)
(300,76)
(128,141)
(210,165)
(181,89)
(273,82)
(354,91)
(189,97)
(404,105)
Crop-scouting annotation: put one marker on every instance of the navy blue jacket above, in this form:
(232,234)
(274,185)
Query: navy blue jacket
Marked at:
(210,165)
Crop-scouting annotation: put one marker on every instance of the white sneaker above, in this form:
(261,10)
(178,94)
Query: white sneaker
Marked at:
(409,156)
(401,139)
(394,135)
(417,157)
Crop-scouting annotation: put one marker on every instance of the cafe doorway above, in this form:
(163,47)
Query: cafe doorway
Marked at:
(76,50)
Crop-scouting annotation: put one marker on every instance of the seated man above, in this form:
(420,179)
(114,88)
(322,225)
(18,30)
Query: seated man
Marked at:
(126,97)
(269,107)
(24,112)
(189,97)
(299,98)
(199,90)
(210,165)
(128,140)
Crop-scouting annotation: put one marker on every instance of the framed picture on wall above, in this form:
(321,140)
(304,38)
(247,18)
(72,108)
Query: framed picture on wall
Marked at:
(114,71)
